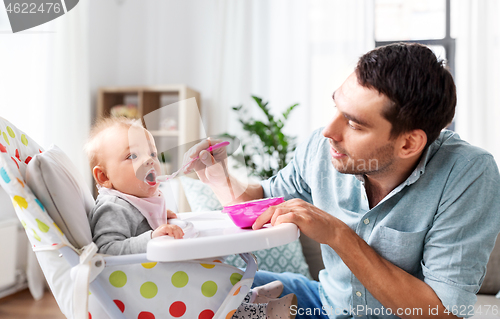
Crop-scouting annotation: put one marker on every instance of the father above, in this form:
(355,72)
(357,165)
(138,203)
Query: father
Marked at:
(407,214)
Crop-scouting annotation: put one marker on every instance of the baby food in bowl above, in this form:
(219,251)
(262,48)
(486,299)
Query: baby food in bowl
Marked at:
(244,214)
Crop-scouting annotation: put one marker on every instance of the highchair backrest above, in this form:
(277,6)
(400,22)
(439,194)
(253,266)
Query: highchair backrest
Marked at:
(62,198)
(16,151)
(56,182)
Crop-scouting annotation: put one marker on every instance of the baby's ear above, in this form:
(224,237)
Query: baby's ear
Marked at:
(100,177)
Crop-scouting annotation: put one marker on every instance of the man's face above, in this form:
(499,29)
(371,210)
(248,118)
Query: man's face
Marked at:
(359,135)
(129,159)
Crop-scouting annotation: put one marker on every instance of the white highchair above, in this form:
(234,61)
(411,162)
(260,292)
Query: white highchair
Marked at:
(174,279)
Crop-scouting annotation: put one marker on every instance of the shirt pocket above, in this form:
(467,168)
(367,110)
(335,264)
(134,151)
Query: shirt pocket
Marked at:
(403,249)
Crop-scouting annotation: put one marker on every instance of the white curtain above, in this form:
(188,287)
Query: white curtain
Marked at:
(478,73)
(261,48)
(286,52)
(341,32)
(68,122)
(44,91)
(44,87)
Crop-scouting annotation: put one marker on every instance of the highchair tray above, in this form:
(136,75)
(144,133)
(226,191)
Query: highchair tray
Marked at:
(217,235)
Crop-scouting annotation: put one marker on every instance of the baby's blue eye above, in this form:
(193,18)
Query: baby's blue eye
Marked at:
(132,156)
(153,154)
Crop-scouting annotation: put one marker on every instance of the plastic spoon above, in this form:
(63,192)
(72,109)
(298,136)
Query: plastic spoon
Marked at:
(164,178)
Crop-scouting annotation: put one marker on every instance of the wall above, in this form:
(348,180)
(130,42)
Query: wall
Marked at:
(126,36)
(225,50)
(103,45)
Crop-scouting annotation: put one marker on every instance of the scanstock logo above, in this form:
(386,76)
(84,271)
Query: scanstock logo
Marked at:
(26,14)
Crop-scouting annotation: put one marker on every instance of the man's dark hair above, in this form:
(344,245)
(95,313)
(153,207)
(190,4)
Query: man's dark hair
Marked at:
(420,87)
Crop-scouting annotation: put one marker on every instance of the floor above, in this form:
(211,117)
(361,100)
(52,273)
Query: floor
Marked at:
(22,306)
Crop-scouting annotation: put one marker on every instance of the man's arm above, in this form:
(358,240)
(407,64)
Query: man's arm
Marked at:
(230,190)
(389,284)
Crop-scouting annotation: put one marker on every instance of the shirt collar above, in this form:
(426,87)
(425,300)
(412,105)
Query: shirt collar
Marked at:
(420,169)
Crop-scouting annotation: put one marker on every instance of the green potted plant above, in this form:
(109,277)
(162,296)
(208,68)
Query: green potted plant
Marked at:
(266,149)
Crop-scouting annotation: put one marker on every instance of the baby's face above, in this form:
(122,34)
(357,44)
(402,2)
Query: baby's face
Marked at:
(130,161)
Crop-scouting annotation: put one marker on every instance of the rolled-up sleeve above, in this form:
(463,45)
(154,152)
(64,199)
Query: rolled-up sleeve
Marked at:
(458,245)
(287,183)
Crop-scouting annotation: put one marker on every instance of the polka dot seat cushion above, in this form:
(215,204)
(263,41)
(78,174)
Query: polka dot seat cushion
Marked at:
(194,289)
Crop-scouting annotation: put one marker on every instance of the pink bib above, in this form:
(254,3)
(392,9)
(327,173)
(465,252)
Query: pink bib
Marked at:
(153,208)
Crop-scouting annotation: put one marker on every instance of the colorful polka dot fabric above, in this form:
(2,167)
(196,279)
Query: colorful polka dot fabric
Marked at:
(191,289)
(16,151)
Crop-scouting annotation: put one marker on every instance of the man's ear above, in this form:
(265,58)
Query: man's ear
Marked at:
(412,143)
(101,177)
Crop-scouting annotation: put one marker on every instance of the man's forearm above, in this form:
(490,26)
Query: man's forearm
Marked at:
(233,191)
(389,284)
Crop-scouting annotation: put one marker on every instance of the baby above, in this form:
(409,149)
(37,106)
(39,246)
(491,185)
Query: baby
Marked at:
(130,209)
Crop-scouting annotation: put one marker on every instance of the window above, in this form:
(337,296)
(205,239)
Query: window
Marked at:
(425,21)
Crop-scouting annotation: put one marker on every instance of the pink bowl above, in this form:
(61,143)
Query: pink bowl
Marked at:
(244,214)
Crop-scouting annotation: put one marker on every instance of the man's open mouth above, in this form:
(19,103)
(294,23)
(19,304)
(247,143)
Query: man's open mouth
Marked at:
(150,177)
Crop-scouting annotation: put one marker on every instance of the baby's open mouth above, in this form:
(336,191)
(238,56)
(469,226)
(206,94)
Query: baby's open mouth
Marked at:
(150,177)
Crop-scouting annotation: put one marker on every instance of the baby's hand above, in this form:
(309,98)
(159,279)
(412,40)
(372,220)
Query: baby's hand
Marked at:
(170,230)
(171,214)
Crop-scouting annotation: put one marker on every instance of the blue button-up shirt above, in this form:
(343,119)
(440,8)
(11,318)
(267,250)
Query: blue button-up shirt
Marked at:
(439,225)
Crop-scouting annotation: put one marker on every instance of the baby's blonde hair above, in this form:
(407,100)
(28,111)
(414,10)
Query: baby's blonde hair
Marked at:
(102,124)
